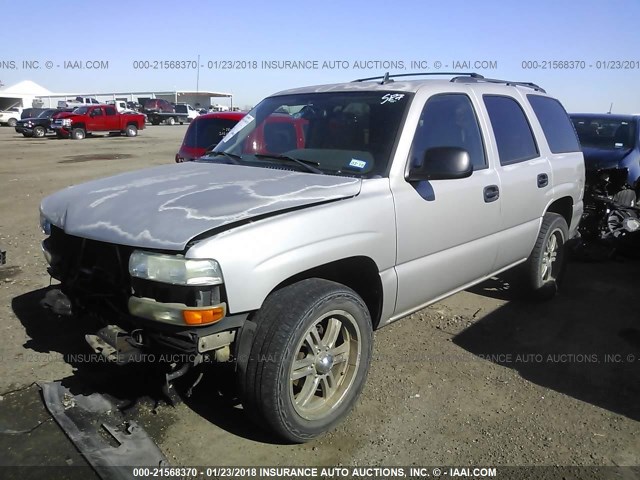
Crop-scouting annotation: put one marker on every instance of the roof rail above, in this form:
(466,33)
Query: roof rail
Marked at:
(386,78)
(480,78)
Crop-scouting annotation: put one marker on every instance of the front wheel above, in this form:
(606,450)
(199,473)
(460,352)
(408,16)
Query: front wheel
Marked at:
(309,359)
(78,133)
(12,122)
(39,132)
(546,263)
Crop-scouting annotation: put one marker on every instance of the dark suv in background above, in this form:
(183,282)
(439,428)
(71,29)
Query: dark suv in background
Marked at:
(39,125)
(609,141)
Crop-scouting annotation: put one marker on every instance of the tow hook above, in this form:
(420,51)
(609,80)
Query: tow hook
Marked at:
(168,389)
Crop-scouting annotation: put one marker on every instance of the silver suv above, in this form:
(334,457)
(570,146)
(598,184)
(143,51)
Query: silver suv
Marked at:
(325,213)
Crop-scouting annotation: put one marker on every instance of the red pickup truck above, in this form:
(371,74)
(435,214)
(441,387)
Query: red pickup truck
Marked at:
(96,118)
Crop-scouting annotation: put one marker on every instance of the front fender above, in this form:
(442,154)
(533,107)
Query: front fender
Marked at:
(257,257)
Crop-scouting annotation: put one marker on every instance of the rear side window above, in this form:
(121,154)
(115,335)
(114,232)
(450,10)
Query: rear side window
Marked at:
(207,132)
(110,110)
(555,124)
(511,128)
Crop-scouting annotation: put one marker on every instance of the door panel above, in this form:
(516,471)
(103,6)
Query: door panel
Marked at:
(446,228)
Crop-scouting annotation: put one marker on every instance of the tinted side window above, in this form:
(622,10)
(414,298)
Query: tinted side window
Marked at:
(110,110)
(449,121)
(555,124)
(511,129)
(96,112)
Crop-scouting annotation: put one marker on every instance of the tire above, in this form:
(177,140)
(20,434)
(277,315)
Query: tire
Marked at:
(131,131)
(78,134)
(39,132)
(546,264)
(171,121)
(12,122)
(301,331)
(155,123)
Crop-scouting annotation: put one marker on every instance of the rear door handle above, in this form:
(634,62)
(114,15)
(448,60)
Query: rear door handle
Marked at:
(491,193)
(543,180)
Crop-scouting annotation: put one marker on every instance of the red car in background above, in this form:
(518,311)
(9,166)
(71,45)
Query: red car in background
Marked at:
(279,133)
(206,131)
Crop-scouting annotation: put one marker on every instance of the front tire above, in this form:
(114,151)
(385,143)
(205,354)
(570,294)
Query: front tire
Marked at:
(78,134)
(546,264)
(39,132)
(309,359)
(12,122)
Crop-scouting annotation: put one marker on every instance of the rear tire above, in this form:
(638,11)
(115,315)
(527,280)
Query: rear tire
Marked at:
(171,121)
(78,134)
(546,264)
(309,359)
(131,131)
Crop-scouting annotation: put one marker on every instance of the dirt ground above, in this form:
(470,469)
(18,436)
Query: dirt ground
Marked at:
(482,378)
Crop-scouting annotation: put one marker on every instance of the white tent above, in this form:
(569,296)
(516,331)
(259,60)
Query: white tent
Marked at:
(22,94)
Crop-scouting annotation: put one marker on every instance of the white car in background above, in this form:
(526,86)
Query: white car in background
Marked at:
(10,117)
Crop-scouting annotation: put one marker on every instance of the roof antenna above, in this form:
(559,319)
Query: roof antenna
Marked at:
(610,108)
(386,79)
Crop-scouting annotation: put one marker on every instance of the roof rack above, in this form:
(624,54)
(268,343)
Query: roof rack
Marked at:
(480,78)
(386,78)
(461,77)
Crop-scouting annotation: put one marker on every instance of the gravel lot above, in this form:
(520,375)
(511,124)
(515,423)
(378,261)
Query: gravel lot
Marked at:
(483,378)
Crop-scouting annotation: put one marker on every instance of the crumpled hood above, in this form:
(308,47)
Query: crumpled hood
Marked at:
(165,207)
(599,158)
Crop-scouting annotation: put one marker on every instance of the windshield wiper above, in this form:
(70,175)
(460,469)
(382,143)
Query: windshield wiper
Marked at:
(231,156)
(307,164)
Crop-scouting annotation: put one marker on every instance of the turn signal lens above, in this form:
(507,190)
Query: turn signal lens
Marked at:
(203,317)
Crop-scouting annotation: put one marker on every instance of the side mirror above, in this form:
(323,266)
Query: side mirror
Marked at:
(442,163)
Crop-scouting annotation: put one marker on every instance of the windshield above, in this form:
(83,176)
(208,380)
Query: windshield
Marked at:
(81,110)
(207,132)
(47,113)
(348,133)
(604,132)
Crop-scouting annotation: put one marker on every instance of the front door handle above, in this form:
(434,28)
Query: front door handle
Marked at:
(543,180)
(491,193)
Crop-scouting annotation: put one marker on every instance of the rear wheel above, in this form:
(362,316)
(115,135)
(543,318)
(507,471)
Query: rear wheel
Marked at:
(39,132)
(309,358)
(131,131)
(171,121)
(78,133)
(546,263)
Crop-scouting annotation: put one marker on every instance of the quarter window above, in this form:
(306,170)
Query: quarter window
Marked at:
(449,120)
(110,111)
(512,131)
(555,124)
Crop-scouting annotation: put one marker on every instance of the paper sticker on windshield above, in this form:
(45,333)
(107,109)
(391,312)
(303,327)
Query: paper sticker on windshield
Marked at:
(247,119)
(391,98)
(359,164)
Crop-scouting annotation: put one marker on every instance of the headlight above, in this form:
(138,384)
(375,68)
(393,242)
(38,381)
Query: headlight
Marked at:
(28,124)
(45,224)
(66,122)
(174,269)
